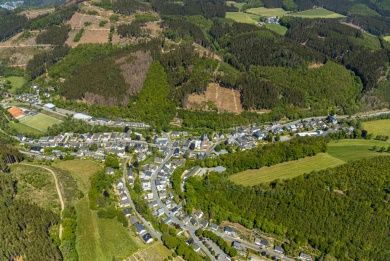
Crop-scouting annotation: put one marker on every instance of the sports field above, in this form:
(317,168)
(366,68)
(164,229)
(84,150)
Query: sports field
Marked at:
(39,121)
(267,12)
(378,127)
(241,17)
(338,153)
(317,13)
(277,28)
(286,170)
(97,238)
(24,129)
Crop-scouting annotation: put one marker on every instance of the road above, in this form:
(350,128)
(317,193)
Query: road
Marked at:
(191,230)
(57,188)
(147,224)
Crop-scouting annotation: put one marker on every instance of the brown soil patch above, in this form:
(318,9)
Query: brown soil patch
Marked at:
(34,13)
(89,36)
(246,233)
(315,65)
(224,99)
(154,28)
(78,20)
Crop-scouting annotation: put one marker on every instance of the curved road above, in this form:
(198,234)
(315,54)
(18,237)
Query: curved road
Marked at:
(57,188)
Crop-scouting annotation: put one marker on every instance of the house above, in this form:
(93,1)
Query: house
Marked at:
(186,220)
(261,242)
(237,245)
(304,257)
(49,106)
(147,238)
(168,220)
(139,228)
(195,247)
(198,214)
(230,231)
(127,212)
(110,171)
(204,223)
(279,250)
(125,202)
(160,212)
(134,220)
(214,226)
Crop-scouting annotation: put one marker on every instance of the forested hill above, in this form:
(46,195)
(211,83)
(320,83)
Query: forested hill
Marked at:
(25,228)
(343,212)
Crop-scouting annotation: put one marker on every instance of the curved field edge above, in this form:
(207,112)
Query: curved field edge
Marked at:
(338,153)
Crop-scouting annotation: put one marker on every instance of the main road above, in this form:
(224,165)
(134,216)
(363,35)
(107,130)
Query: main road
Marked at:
(191,230)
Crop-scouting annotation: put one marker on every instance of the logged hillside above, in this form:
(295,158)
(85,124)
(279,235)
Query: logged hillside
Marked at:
(342,212)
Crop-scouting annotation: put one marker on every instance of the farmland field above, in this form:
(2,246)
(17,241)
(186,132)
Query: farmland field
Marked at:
(286,170)
(317,13)
(277,28)
(378,127)
(97,238)
(39,121)
(241,17)
(339,152)
(267,12)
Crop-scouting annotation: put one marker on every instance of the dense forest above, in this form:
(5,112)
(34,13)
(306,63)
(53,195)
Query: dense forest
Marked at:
(10,24)
(55,35)
(207,8)
(25,227)
(342,211)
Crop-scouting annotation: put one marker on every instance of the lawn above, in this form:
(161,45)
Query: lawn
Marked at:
(24,129)
(286,170)
(348,150)
(378,127)
(97,238)
(39,121)
(317,13)
(241,17)
(16,82)
(267,12)
(277,28)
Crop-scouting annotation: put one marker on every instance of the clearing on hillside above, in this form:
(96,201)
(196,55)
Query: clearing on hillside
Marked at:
(267,12)
(36,185)
(387,38)
(39,121)
(241,17)
(378,127)
(317,13)
(16,82)
(286,170)
(224,99)
(97,238)
(277,28)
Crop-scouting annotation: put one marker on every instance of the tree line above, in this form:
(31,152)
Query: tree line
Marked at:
(341,211)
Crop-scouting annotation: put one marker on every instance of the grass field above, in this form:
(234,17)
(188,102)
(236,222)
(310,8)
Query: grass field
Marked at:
(277,28)
(241,17)
(378,127)
(97,239)
(39,121)
(36,185)
(339,152)
(316,13)
(267,12)
(387,38)
(24,129)
(16,82)
(286,170)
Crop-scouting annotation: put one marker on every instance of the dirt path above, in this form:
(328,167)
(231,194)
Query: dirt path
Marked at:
(57,188)
(26,45)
